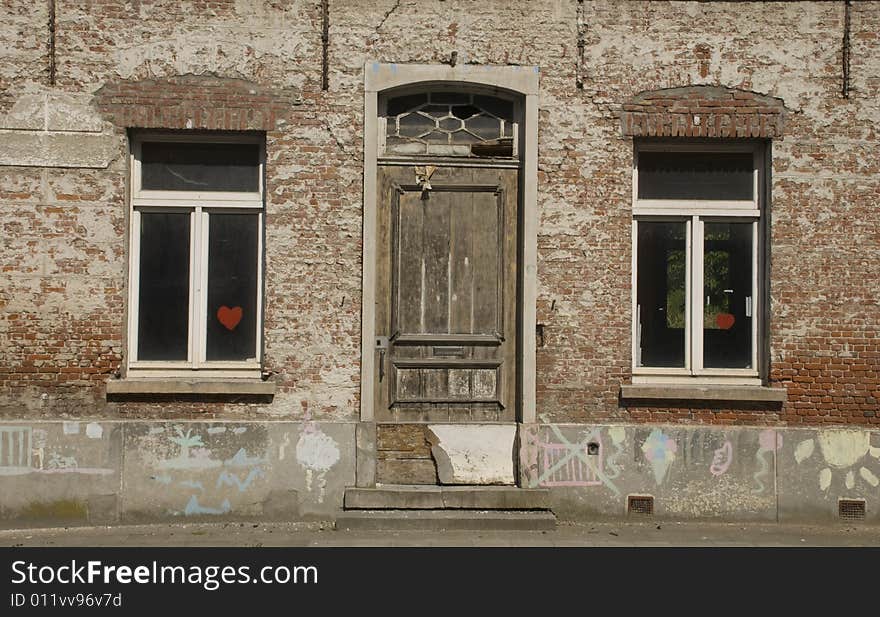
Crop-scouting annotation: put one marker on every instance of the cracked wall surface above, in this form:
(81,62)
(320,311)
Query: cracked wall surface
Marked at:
(62,284)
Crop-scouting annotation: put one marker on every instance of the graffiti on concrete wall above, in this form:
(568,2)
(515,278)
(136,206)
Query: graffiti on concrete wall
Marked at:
(844,451)
(564,463)
(231,479)
(317,453)
(25,450)
(209,477)
(212,469)
(193,507)
(282,447)
(660,450)
(15,450)
(557,460)
(721,459)
(618,439)
(192,454)
(769,441)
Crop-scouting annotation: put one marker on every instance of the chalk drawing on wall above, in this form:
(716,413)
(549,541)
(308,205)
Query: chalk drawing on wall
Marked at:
(190,484)
(227,478)
(618,439)
(60,463)
(38,448)
(317,453)
(282,447)
(660,450)
(769,441)
(241,459)
(722,459)
(847,450)
(15,450)
(21,447)
(193,507)
(197,466)
(563,465)
(565,462)
(192,455)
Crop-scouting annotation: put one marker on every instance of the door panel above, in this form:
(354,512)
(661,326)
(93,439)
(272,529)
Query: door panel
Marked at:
(446,313)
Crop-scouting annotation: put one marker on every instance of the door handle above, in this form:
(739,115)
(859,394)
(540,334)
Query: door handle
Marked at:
(381,365)
(382,347)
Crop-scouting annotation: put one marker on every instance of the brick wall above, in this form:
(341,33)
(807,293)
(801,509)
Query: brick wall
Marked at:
(177,64)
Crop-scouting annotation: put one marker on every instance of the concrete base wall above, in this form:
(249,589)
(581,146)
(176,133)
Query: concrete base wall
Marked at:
(108,472)
(732,473)
(140,471)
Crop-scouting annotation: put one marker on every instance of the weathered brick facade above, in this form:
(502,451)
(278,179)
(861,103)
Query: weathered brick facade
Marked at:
(609,71)
(152,66)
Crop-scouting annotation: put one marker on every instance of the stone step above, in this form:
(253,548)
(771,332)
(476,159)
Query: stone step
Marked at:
(428,497)
(437,520)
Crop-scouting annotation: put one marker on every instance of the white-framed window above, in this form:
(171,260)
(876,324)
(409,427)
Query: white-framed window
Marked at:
(696,302)
(196,246)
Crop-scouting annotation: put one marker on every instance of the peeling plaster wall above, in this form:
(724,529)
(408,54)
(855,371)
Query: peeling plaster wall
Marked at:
(62,282)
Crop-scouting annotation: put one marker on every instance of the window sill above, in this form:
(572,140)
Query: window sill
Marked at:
(154,385)
(703,392)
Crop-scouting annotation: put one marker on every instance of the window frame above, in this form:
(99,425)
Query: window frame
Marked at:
(200,205)
(695,214)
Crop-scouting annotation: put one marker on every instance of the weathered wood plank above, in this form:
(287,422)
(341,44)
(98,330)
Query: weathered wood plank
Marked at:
(435,383)
(408,384)
(437,222)
(461,257)
(486,252)
(410,263)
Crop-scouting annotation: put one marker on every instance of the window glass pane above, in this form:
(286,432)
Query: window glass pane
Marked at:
(170,166)
(401,104)
(696,175)
(232,286)
(727,295)
(661,294)
(449,124)
(163,296)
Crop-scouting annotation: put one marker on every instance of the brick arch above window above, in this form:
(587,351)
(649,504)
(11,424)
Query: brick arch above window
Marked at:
(703,111)
(196,102)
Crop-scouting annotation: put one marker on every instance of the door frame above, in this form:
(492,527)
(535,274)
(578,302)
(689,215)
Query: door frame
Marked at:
(521,80)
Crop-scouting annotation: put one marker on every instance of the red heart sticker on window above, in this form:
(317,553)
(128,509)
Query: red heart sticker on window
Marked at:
(725,321)
(229,317)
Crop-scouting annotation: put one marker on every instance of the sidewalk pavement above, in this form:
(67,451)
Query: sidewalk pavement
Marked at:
(617,533)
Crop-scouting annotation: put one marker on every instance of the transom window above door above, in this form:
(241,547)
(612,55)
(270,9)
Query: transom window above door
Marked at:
(697,281)
(196,254)
(448,123)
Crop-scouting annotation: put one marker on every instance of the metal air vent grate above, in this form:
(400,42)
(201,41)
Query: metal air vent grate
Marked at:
(851,509)
(640,504)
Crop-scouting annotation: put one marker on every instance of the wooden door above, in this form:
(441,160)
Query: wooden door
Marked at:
(446,295)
